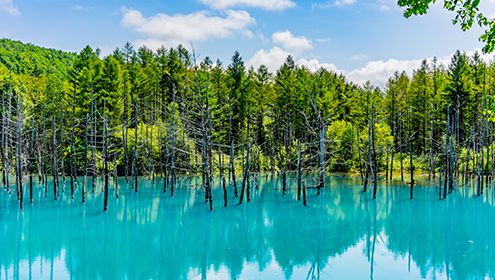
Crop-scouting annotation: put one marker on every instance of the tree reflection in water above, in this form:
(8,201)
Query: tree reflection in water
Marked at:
(151,235)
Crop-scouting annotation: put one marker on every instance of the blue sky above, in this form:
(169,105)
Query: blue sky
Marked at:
(364,39)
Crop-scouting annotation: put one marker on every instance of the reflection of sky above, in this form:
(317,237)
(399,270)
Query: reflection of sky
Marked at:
(340,235)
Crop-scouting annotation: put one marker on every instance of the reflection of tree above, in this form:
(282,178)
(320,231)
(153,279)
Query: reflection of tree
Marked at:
(147,235)
(453,236)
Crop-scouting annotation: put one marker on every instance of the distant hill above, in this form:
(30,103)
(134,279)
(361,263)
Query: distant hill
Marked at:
(25,58)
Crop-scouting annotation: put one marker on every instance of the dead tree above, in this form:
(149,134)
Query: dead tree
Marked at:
(19,155)
(299,170)
(135,154)
(72,166)
(232,168)
(374,164)
(222,177)
(30,161)
(411,165)
(447,168)
(245,178)
(83,191)
(105,168)
(54,160)
(62,157)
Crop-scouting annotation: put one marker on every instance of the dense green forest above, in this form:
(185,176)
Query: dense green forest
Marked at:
(169,113)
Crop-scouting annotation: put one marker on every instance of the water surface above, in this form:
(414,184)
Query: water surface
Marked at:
(341,234)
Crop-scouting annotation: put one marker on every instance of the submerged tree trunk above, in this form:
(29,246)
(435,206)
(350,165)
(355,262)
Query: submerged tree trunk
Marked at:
(321,162)
(222,177)
(54,156)
(304,194)
(19,155)
(447,155)
(374,166)
(400,149)
(30,161)
(232,168)
(246,176)
(105,168)
(299,170)
(135,157)
(83,190)
(72,166)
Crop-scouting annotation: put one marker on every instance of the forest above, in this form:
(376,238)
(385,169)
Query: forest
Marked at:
(170,113)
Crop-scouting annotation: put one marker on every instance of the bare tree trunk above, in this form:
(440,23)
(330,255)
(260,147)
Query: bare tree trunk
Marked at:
(400,149)
(72,150)
(321,162)
(62,157)
(124,133)
(393,150)
(299,170)
(374,165)
(222,178)
(135,157)
(105,168)
(30,161)
(54,156)
(83,191)
(304,194)
(447,155)
(19,155)
(93,148)
(232,168)
(246,175)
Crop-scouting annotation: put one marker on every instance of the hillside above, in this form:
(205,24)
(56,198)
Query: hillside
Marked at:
(25,58)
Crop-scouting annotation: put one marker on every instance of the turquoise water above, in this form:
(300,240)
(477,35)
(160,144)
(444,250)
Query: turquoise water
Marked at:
(341,234)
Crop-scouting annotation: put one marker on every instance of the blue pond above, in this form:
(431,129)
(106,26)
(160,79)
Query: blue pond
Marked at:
(341,234)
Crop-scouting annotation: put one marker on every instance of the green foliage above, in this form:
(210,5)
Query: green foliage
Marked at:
(170,95)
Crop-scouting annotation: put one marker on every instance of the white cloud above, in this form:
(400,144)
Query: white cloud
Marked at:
(272,59)
(359,57)
(185,28)
(275,57)
(8,7)
(271,5)
(378,72)
(81,8)
(333,3)
(289,42)
(314,64)
(339,3)
(323,40)
(384,8)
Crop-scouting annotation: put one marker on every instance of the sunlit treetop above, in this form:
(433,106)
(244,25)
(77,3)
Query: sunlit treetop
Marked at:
(467,12)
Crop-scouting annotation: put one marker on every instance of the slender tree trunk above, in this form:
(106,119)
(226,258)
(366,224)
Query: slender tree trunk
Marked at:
(400,149)
(135,169)
(105,168)
(222,178)
(83,191)
(62,157)
(30,161)
(232,168)
(72,150)
(304,194)
(299,170)
(374,165)
(19,155)
(54,156)
(245,177)
(321,162)
(447,154)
